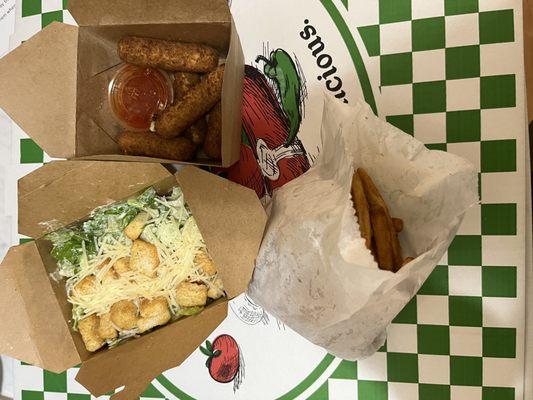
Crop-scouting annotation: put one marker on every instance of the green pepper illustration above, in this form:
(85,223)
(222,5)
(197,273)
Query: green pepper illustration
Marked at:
(282,70)
(244,137)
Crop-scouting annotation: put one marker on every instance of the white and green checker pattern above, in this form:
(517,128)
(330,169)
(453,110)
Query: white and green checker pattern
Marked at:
(45,385)
(449,72)
(33,15)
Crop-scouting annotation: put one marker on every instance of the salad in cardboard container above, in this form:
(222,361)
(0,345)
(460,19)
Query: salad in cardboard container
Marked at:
(129,263)
(134,265)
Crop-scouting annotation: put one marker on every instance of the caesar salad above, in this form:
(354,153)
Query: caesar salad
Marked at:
(132,266)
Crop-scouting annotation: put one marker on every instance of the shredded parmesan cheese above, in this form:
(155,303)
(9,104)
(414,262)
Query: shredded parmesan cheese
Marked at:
(174,233)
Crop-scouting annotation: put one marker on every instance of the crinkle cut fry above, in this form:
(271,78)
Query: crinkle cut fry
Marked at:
(389,252)
(362,210)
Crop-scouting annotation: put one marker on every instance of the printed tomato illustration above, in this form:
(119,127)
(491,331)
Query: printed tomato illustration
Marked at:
(271,152)
(224,362)
(268,129)
(246,171)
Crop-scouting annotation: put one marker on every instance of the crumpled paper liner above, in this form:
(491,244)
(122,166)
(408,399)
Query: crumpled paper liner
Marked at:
(313,271)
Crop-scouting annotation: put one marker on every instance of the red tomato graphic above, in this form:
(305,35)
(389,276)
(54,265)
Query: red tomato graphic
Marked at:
(246,172)
(266,128)
(224,359)
(267,161)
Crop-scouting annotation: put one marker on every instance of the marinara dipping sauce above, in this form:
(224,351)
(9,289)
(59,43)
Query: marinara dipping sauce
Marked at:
(138,94)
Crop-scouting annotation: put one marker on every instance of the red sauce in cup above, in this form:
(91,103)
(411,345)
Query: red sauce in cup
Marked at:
(138,94)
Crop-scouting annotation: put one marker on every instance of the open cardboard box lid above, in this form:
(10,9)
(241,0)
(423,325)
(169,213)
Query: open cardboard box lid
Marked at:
(229,216)
(41,78)
(139,12)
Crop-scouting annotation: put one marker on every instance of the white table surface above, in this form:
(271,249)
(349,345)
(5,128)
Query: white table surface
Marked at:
(6,371)
(7,20)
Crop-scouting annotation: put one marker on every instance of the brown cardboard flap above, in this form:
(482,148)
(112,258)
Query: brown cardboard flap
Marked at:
(123,157)
(62,192)
(232,101)
(38,81)
(136,363)
(137,12)
(46,340)
(231,219)
(14,341)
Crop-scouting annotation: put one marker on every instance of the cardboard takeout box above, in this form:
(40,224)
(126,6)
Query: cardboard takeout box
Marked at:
(34,307)
(55,85)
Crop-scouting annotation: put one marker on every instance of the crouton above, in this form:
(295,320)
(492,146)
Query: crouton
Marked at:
(103,264)
(88,331)
(86,286)
(124,314)
(144,258)
(122,266)
(106,330)
(109,275)
(136,226)
(189,294)
(216,289)
(153,313)
(205,263)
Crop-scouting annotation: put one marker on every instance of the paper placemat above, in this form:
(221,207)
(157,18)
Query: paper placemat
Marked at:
(449,72)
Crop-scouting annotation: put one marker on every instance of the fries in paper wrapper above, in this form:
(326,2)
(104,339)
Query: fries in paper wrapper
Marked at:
(314,271)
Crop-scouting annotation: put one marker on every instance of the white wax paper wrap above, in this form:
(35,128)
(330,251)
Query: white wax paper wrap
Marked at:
(313,270)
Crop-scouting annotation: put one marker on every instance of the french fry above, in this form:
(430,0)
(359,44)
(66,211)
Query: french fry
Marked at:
(397,251)
(407,261)
(389,252)
(398,224)
(361,209)
(373,244)
(382,237)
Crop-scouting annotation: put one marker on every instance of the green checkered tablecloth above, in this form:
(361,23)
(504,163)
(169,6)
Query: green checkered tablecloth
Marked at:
(449,72)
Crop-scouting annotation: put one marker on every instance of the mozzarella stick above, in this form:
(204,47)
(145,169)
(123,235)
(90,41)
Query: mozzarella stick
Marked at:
(151,145)
(361,209)
(168,55)
(196,132)
(182,84)
(198,101)
(387,243)
(213,139)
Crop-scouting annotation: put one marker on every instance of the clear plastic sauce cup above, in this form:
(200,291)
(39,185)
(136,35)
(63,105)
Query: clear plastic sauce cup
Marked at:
(138,94)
